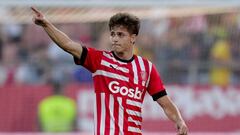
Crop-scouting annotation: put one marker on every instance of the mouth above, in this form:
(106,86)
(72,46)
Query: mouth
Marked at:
(116,44)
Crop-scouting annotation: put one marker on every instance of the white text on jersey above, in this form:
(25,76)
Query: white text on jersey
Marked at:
(123,90)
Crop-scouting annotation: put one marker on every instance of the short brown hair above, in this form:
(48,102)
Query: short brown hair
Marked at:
(129,21)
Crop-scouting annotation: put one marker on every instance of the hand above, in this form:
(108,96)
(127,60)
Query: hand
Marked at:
(182,128)
(39,18)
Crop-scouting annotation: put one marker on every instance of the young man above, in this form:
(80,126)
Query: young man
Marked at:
(121,78)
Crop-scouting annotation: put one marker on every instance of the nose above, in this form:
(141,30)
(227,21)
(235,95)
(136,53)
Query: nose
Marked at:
(115,39)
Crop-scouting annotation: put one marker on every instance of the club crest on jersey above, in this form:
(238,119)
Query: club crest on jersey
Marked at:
(143,75)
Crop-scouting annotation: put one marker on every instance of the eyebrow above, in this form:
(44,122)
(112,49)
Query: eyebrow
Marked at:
(118,32)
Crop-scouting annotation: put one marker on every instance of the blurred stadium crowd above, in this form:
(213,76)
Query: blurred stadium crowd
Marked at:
(202,49)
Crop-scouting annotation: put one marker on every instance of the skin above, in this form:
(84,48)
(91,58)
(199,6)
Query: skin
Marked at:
(122,45)
(173,114)
(60,38)
(122,42)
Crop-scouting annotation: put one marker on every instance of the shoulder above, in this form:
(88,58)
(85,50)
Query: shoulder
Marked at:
(92,52)
(143,59)
(91,49)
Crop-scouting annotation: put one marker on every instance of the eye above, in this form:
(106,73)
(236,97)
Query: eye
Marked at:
(120,34)
(112,34)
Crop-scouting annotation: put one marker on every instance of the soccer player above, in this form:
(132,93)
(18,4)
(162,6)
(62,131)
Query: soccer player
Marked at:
(121,78)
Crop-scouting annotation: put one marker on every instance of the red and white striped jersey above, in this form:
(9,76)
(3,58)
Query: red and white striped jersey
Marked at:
(120,86)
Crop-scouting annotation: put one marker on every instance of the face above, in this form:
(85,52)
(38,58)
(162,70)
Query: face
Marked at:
(122,41)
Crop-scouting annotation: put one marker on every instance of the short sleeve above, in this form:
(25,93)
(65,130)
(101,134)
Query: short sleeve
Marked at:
(155,87)
(90,59)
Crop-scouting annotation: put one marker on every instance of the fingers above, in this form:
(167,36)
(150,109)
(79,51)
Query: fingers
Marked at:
(182,130)
(36,11)
(38,17)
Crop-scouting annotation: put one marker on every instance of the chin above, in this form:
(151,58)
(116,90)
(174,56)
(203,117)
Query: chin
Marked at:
(116,49)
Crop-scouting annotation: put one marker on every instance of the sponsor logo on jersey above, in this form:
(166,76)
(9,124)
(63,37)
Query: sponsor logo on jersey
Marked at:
(115,88)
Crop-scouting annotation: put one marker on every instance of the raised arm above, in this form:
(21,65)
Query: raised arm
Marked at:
(173,114)
(60,38)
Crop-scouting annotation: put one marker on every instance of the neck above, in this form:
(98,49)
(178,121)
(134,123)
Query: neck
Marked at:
(124,55)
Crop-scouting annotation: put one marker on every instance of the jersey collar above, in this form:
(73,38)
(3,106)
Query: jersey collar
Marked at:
(122,60)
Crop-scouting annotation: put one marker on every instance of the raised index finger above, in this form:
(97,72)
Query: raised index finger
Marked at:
(35,10)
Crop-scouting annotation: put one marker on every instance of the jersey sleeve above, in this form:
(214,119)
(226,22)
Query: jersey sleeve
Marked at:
(155,87)
(90,59)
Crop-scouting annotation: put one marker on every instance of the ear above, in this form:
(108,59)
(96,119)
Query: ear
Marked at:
(133,38)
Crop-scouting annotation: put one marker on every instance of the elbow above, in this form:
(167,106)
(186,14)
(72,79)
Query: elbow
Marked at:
(74,49)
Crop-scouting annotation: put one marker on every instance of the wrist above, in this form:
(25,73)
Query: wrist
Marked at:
(46,23)
(180,122)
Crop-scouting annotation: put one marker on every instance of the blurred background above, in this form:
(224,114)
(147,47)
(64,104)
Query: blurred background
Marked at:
(194,44)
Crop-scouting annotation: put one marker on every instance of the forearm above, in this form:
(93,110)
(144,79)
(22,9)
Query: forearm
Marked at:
(173,113)
(170,109)
(62,40)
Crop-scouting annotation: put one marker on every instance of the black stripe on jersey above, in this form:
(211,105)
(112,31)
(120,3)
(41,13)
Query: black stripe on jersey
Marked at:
(159,95)
(83,57)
